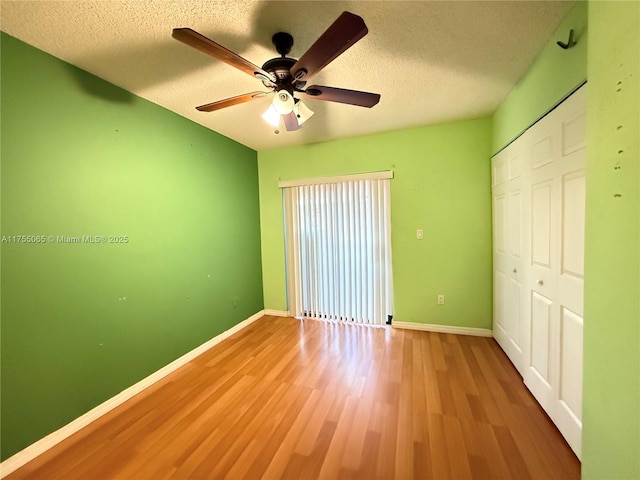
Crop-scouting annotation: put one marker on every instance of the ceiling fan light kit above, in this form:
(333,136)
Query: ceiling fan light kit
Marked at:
(287,77)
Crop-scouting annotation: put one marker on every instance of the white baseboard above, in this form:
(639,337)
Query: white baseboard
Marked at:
(24,456)
(276,313)
(428,327)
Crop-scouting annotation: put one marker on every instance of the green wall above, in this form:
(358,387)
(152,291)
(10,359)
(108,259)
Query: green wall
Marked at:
(441,184)
(553,74)
(611,410)
(82,322)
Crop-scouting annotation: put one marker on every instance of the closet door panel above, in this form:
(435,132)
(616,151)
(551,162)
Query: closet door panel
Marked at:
(573,216)
(542,145)
(499,296)
(540,328)
(513,312)
(571,361)
(574,127)
(514,215)
(499,207)
(541,225)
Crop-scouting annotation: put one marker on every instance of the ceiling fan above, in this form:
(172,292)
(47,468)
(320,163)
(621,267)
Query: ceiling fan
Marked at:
(287,77)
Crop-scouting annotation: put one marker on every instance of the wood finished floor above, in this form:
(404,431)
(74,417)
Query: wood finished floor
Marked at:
(295,399)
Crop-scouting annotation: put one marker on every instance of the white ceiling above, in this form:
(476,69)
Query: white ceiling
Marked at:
(431,61)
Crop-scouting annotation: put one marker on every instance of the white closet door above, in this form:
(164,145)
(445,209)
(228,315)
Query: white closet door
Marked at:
(540,375)
(570,279)
(509,305)
(556,265)
(538,191)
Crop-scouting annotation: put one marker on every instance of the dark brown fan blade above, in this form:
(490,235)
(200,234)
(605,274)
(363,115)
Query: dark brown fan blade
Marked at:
(228,102)
(343,33)
(291,122)
(208,46)
(341,95)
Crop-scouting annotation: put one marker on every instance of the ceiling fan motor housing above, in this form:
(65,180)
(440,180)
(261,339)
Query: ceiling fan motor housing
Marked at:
(281,68)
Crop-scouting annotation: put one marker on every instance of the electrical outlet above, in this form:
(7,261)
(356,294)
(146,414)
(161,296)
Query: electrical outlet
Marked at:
(419,234)
(440,299)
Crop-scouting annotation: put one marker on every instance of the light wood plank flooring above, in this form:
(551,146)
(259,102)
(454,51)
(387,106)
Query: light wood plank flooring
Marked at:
(295,399)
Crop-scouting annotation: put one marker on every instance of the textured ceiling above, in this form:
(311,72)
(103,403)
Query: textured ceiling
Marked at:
(431,61)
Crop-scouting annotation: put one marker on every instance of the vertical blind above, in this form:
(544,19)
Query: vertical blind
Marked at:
(338,250)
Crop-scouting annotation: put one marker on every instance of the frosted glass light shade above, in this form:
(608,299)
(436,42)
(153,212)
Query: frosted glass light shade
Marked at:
(303,112)
(272,116)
